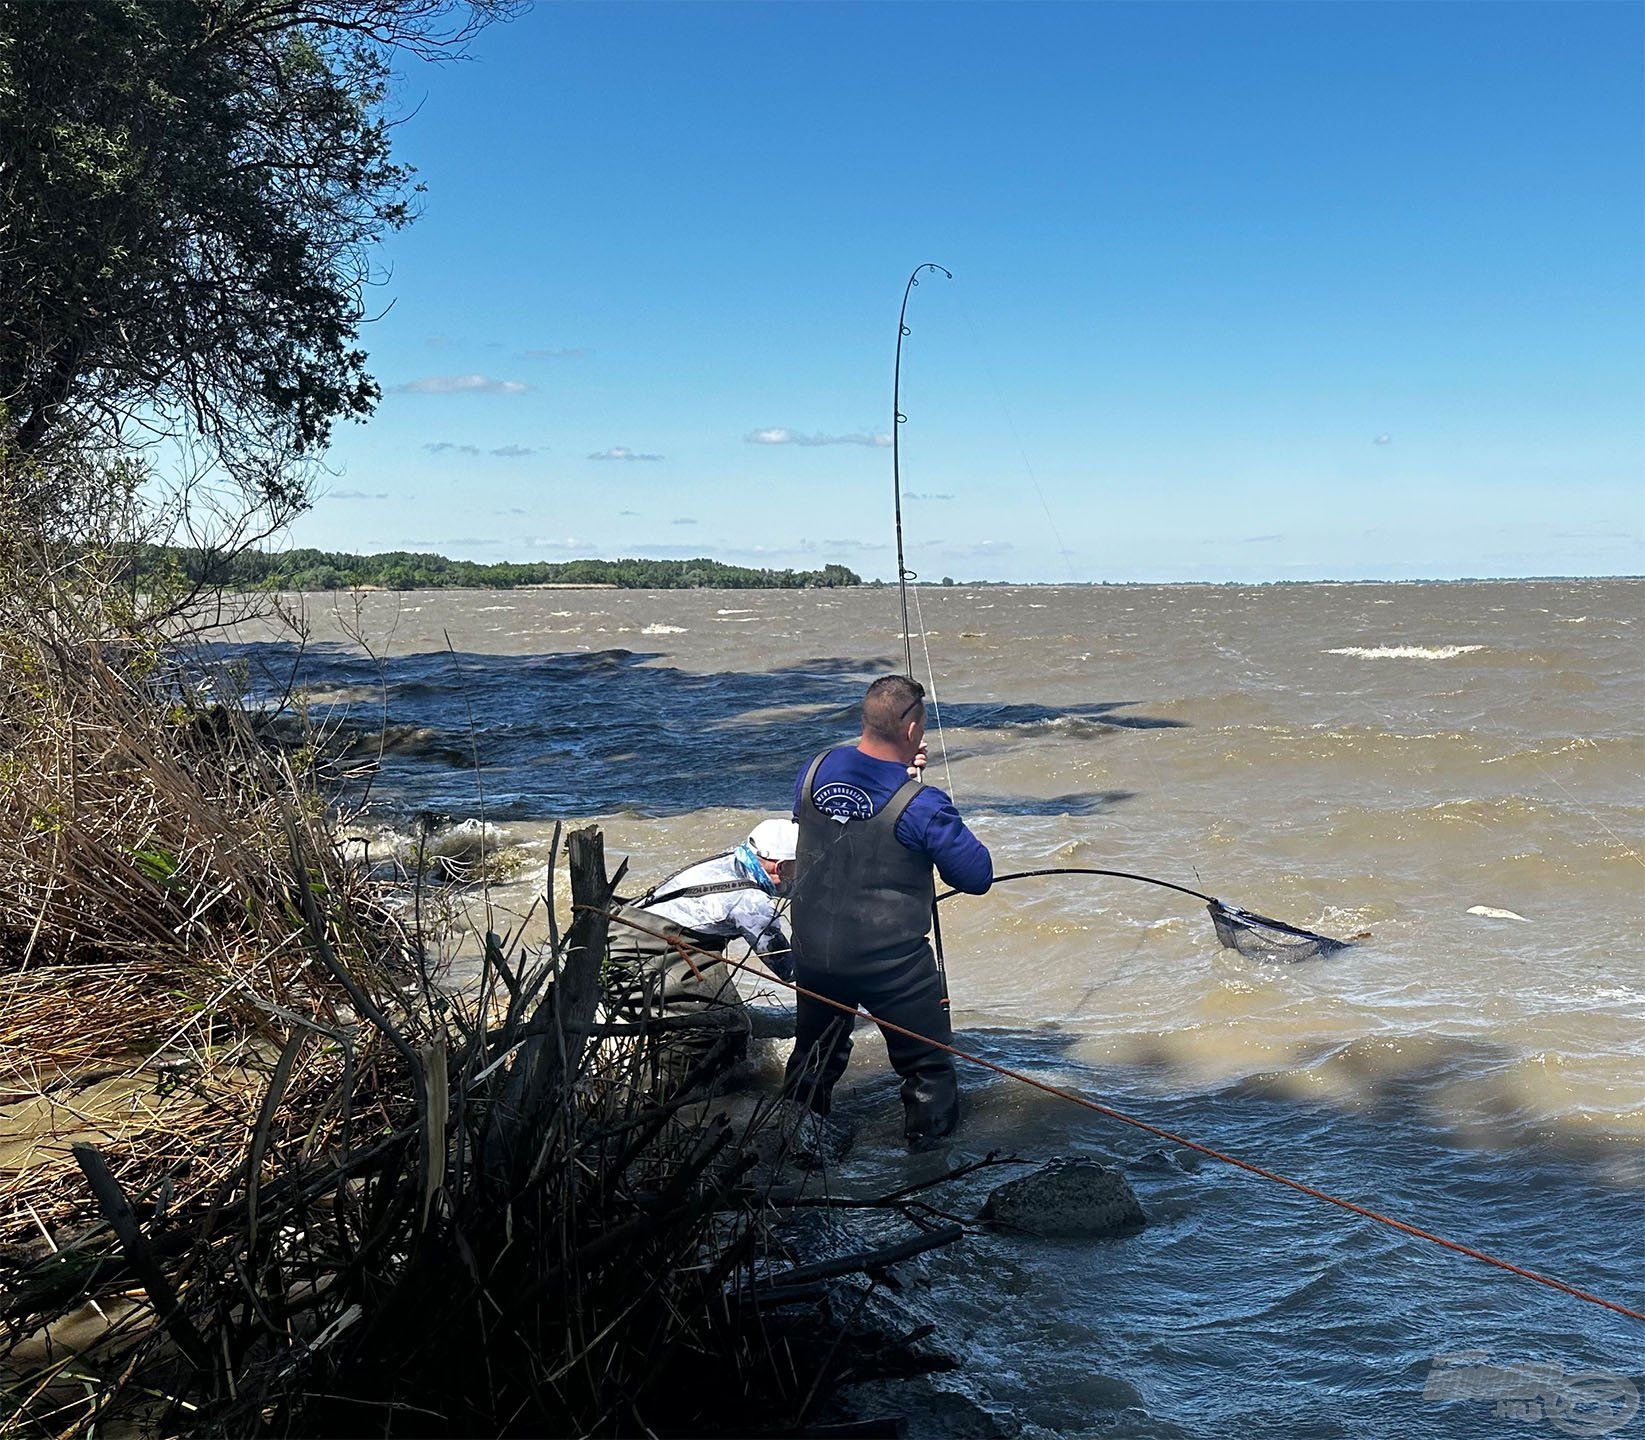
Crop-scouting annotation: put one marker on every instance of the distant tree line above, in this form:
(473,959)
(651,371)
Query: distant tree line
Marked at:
(405,570)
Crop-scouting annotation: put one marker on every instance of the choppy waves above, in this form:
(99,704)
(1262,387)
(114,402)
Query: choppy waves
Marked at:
(1478,1073)
(1236,747)
(1406,652)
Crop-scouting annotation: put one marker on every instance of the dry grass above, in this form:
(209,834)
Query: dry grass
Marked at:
(259,1174)
(152,951)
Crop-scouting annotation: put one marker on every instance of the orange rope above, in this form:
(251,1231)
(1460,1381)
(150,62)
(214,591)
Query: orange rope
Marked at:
(1182,1140)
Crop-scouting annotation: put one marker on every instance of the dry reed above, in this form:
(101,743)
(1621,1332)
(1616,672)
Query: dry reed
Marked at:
(258,1174)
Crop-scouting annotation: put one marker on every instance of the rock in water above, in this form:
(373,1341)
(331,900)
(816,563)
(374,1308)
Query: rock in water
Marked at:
(1067,1197)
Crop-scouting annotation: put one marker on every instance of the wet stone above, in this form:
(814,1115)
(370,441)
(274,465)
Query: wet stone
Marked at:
(927,1409)
(1067,1198)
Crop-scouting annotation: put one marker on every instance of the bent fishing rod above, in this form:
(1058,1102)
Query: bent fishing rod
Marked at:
(898,420)
(1233,922)
(685,949)
(904,574)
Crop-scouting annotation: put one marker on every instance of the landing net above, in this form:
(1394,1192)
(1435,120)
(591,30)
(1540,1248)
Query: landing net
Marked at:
(1259,936)
(1264,938)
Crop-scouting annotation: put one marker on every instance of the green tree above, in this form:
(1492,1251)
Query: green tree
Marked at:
(307,569)
(189,194)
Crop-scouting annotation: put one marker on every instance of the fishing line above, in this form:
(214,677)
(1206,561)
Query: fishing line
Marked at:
(1627,850)
(1158,1131)
(1011,424)
(936,708)
(1050,521)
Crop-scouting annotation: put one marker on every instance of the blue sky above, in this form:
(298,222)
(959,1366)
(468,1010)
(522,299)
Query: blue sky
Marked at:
(1241,291)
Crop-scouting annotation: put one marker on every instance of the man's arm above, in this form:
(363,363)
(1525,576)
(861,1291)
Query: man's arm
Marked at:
(933,826)
(758,922)
(777,952)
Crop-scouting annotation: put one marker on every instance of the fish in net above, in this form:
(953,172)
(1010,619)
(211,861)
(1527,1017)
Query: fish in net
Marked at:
(1263,938)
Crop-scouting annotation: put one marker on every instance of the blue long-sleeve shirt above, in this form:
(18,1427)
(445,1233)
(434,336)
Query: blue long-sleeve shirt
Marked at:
(857,785)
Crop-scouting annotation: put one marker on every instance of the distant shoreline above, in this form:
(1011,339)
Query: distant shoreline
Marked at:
(320,571)
(985,584)
(310,571)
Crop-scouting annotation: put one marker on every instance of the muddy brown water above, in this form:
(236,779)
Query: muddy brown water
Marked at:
(1458,770)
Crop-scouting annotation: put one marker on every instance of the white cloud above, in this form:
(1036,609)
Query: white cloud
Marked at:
(927,495)
(358,495)
(459,385)
(453,447)
(683,520)
(621,452)
(1383,440)
(782,435)
(567,352)
(571,542)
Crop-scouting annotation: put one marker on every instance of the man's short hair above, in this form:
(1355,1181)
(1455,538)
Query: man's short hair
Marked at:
(891,702)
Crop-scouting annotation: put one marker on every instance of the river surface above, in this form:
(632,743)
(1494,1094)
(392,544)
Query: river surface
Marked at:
(1391,759)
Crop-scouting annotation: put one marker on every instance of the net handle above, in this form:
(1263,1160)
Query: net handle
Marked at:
(1248,918)
(1113,874)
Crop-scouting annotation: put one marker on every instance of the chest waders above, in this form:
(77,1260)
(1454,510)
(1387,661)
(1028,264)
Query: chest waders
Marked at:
(650,978)
(861,897)
(861,914)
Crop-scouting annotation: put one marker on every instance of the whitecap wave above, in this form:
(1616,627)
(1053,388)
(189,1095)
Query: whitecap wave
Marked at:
(663,630)
(1406,652)
(467,852)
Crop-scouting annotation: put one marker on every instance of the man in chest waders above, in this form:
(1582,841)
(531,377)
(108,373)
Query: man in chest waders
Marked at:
(869,836)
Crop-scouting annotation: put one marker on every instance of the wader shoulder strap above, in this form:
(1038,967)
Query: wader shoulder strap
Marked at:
(693,892)
(650,896)
(894,807)
(811,779)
